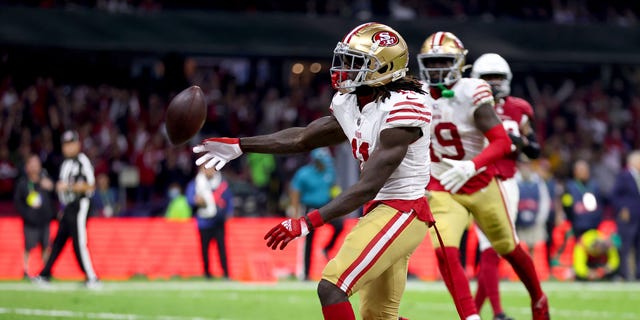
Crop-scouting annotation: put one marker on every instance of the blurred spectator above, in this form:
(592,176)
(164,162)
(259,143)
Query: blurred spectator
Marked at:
(33,201)
(172,171)
(619,13)
(595,257)
(105,198)
(147,163)
(534,206)
(210,194)
(555,216)
(8,173)
(310,189)
(261,168)
(178,207)
(582,200)
(626,200)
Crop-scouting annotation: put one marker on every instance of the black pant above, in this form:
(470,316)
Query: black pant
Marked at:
(308,244)
(206,235)
(73,224)
(338,226)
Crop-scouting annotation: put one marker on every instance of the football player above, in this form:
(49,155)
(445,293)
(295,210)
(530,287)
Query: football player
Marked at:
(382,113)
(464,183)
(516,115)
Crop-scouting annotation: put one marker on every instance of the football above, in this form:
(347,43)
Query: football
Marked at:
(185,115)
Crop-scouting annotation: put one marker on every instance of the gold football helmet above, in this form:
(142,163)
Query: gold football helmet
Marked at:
(372,54)
(441,46)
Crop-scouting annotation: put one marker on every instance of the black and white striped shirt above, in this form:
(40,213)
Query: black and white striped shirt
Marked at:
(74,170)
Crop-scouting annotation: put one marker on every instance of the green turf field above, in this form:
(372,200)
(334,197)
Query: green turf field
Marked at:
(192,300)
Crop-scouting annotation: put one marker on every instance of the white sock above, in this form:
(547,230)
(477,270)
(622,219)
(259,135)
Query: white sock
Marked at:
(473,317)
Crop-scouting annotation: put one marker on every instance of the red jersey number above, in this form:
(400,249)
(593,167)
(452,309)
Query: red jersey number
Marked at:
(360,148)
(452,141)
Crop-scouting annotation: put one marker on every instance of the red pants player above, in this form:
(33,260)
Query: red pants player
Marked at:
(382,113)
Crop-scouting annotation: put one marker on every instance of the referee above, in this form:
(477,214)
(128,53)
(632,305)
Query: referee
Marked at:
(75,187)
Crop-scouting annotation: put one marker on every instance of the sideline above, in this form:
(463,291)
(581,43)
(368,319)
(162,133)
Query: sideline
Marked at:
(412,285)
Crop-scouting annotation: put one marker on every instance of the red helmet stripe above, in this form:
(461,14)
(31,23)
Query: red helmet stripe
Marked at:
(457,41)
(347,38)
(437,39)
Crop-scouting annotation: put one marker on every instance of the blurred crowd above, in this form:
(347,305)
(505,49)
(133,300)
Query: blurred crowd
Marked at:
(122,130)
(623,13)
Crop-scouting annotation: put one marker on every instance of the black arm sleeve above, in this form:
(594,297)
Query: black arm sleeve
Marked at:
(532,148)
(568,211)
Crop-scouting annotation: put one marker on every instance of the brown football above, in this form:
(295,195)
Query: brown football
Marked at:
(185,115)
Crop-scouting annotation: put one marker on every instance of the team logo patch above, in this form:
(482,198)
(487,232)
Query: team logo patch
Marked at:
(386,38)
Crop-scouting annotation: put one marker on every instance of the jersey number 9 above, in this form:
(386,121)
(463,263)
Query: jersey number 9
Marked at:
(452,141)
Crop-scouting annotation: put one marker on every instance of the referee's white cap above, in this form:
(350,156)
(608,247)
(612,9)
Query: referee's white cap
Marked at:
(70,136)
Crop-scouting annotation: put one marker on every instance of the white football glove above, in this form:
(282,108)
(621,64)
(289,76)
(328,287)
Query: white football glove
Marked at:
(461,171)
(219,151)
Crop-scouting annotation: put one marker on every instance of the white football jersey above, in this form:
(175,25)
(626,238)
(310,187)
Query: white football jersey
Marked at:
(362,128)
(454,134)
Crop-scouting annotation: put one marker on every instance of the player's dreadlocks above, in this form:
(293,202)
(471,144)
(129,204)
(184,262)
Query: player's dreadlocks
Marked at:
(408,83)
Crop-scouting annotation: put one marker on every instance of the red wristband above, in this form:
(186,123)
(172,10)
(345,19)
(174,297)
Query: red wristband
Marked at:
(223,140)
(315,219)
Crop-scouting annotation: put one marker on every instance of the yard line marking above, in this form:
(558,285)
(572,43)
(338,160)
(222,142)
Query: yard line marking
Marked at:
(90,315)
(412,286)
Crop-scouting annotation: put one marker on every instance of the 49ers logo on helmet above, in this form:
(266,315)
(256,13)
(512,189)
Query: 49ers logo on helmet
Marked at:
(386,38)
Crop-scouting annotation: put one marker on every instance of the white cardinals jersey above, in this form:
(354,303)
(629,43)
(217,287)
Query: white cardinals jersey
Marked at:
(454,134)
(363,127)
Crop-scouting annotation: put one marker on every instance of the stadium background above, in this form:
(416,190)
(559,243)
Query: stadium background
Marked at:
(108,68)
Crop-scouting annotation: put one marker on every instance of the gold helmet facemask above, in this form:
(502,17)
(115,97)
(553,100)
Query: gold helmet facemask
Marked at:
(442,45)
(372,54)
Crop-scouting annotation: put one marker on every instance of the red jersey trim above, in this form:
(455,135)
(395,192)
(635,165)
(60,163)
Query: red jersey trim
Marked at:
(420,207)
(482,97)
(410,103)
(426,113)
(425,119)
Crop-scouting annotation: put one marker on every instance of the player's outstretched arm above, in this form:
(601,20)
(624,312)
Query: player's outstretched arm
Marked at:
(217,152)
(392,148)
(325,131)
